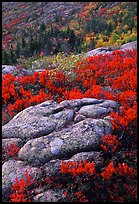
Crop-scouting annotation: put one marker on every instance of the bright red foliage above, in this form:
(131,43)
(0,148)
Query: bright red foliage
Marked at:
(117,71)
(109,143)
(11,149)
(77,168)
(108,172)
(19,189)
(123,169)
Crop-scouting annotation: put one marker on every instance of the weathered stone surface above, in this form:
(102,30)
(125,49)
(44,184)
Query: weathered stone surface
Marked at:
(80,102)
(62,118)
(79,137)
(44,109)
(110,104)
(35,121)
(93,111)
(44,118)
(8,69)
(98,51)
(13,169)
(108,50)
(6,142)
(52,167)
(33,127)
(79,118)
(50,132)
(49,196)
(129,46)
(99,110)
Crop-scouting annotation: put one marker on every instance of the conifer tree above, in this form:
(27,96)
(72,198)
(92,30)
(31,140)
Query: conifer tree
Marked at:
(12,58)
(17,51)
(42,27)
(31,46)
(23,42)
(5,57)
(72,38)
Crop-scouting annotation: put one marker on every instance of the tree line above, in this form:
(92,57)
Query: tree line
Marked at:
(51,42)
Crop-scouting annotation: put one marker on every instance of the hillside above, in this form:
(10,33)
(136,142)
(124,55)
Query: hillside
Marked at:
(38,11)
(72,133)
(69,102)
(52,27)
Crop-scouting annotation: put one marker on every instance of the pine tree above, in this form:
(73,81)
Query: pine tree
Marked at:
(23,42)
(24,33)
(17,51)
(56,32)
(72,38)
(42,27)
(67,31)
(31,46)
(12,58)
(92,46)
(5,57)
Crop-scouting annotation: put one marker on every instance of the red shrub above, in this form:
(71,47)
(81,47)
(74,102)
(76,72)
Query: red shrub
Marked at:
(20,191)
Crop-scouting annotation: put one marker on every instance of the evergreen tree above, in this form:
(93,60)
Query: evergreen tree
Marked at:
(62,34)
(72,38)
(24,33)
(31,46)
(23,42)
(17,51)
(5,57)
(67,31)
(109,29)
(41,41)
(42,27)
(12,57)
(45,37)
(26,51)
(92,46)
(57,18)
(56,32)
(36,46)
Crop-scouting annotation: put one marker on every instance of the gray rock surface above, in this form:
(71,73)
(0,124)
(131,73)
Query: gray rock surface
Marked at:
(49,196)
(37,121)
(98,51)
(8,69)
(108,50)
(13,169)
(80,102)
(79,137)
(94,111)
(6,142)
(51,132)
(52,168)
(129,46)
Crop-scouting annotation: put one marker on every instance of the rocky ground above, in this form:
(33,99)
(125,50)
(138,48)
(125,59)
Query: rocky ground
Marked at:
(50,132)
(38,11)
